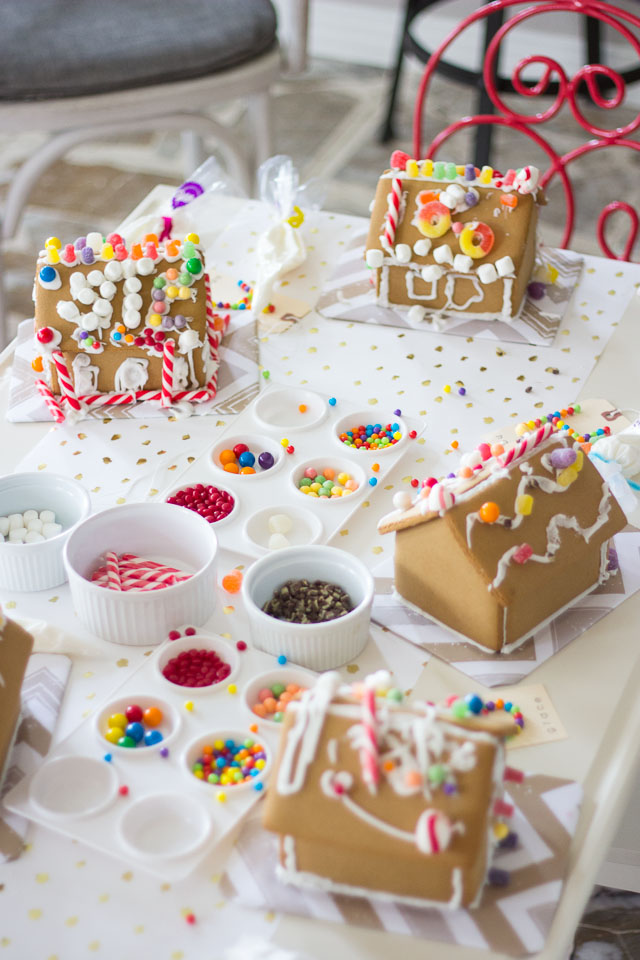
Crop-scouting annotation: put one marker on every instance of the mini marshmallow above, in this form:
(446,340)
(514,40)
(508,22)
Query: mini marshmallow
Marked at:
(108,290)
(77,281)
(47,516)
(505,266)
(15,521)
(432,272)
(89,321)
(132,285)
(29,515)
(487,273)
(279,523)
(145,266)
(462,263)
(443,253)
(4,526)
(421,247)
(402,500)
(34,526)
(32,536)
(17,535)
(133,301)
(374,258)
(403,252)
(277,541)
(129,269)
(131,318)
(67,310)
(50,530)
(456,191)
(415,314)
(448,200)
(86,295)
(113,271)
(94,240)
(102,307)
(95,277)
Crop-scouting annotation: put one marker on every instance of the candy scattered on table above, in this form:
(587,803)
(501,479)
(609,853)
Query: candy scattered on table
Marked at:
(135,727)
(130,572)
(473,705)
(196,668)
(371,436)
(229,762)
(273,701)
(32,526)
(326,483)
(242,460)
(305,601)
(210,502)
(232,582)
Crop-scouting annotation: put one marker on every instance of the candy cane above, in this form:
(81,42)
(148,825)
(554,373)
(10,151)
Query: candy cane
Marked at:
(55,409)
(167,371)
(369,746)
(527,443)
(113,571)
(66,383)
(394,198)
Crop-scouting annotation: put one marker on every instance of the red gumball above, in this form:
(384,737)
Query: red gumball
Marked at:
(45,335)
(133,713)
(240,448)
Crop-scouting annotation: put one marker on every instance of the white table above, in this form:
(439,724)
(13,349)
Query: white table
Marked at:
(60,901)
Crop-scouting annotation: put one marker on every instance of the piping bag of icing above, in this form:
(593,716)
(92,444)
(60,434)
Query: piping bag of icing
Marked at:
(281,248)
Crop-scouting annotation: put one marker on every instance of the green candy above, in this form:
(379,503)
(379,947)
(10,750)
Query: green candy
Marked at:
(213,778)
(185,278)
(460,709)
(437,774)
(277,689)
(127,742)
(278,716)
(188,250)
(320,479)
(450,171)
(197,766)
(304,482)
(248,743)
(328,485)
(159,282)
(194,265)
(394,694)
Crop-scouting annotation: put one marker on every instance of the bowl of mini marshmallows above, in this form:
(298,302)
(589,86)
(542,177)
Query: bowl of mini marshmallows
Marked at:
(37,513)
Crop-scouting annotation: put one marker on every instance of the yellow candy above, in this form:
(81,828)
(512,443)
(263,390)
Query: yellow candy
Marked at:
(199,774)
(460,171)
(188,705)
(336,491)
(52,255)
(118,720)
(397,435)
(172,292)
(113,734)
(553,273)
(192,238)
(315,487)
(412,168)
(305,490)
(312,493)
(343,477)
(260,764)
(486,175)
(218,744)
(500,831)
(566,477)
(531,425)
(53,242)
(284,442)
(184,293)
(524,504)
(346,492)
(579,461)
(107,251)
(155,320)
(221,796)
(521,429)
(427,168)
(476,240)
(232,688)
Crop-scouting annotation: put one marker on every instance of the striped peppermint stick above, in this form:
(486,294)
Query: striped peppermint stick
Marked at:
(167,371)
(114,581)
(394,199)
(369,743)
(526,444)
(55,409)
(65,381)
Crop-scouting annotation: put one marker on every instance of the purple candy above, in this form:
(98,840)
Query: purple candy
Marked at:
(179,321)
(462,391)
(449,789)
(536,290)
(450,476)
(563,457)
(80,243)
(87,255)
(164,752)
(266,460)
(83,334)
(397,413)
(167,322)
(469,171)
(158,294)
(498,878)
(470,199)
(509,842)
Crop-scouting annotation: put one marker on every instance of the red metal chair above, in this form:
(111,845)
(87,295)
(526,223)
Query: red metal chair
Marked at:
(596,80)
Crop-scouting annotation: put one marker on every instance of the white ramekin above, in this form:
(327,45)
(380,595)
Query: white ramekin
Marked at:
(320,646)
(156,531)
(39,566)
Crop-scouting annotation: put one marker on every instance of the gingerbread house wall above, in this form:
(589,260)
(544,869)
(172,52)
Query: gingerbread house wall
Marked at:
(15,649)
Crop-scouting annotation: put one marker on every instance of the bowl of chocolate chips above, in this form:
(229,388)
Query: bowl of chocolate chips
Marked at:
(310,604)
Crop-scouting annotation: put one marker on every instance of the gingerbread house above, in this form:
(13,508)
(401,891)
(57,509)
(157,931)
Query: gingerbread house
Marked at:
(497,550)
(115,325)
(15,650)
(453,239)
(372,797)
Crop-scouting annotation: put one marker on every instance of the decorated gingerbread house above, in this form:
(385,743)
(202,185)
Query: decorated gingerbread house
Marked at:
(453,239)
(516,536)
(372,797)
(116,325)
(15,649)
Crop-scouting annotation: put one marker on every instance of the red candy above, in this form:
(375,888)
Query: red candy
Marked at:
(399,160)
(210,502)
(45,335)
(196,668)
(240,448)
(133,713)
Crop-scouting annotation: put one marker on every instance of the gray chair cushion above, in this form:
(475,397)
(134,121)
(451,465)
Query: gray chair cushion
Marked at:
(68,48)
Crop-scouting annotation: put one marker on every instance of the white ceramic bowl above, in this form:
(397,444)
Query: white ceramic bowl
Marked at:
(307,526)
(193,750)
(73,786)
(337,464)
(365,417)
(164,826)
(39,566)
(174,647)
(257,445)
(220,486)
(279,410)
(156,531)
(320,646)
(284,675)
(169,727)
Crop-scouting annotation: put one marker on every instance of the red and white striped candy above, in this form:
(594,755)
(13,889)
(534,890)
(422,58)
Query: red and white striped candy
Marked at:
(433,831)
(369,745)
(114,581)
(65,381)
(167,372)
(55,409)
(394,199)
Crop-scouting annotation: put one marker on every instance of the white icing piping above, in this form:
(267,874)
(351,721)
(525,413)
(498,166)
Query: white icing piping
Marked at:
(302,740)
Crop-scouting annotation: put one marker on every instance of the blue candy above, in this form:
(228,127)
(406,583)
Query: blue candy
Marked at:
(135,731)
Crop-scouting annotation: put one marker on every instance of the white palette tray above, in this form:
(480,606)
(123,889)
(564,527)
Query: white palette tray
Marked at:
(275,416)
(168,820)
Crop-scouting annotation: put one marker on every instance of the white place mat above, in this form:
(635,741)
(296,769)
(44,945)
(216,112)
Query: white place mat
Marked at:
(493,669)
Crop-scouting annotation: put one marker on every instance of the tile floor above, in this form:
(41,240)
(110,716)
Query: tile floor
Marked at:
(327,121)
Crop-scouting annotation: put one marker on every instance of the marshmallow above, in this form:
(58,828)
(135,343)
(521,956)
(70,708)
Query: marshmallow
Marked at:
(102,307)
(443,253)
(108,290)
(94,240)
(47,516)
(403,252)
(77,281)
(462,263)
(29,515)
(67,310)
(4,526)
(15,521)
(113,271)
(145,266)
(129,269)
(50,530)
(133,301)
(86,295)
(487,273)
(277,541)
(89,321)
(432,272)
(456,191)
(448,200)
(17,535)
(402,500)
(132,285)
(34,526)
(131,318)
(415,314)
(421,247)
(505,266)
(374,258)
(279,523)
(95,277)
(32,536)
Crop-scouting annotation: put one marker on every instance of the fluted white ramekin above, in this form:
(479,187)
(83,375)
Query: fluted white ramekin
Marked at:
(320,646)
(39,566)
(155,531)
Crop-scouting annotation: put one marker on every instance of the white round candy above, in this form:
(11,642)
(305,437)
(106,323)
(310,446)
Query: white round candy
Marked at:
(89,321)
(94,240)
(113,271)
(403,252)
(51,530)
(133,301)
(421,247)
(15,521)
(17,535)
(35,525)
(4,526)
(145,266)
(77,280)
(86,295)
(108,290)
(374,258)
(402,500)
(279,523)
(131,319)
(132,285)
(277,541)
(67,310)
(32,536)
(29,515)
(95,277)
(102,307)
(47,516)
(128,268)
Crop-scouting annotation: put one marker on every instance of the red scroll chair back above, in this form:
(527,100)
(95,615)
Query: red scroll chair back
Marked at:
(590,79)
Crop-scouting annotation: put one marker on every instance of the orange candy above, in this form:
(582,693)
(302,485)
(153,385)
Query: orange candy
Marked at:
(171,273)
(247,470)
(375,467)
(136,251)
(232,582)
(454,444)
(292,688)
(227,456)
(328,473)
(413,778)
(150,238)
(270,704)
(465,472)
(302,408)
(489,512)
(37,364)
(232,468)
(152,716)
(218,323)
(259,709)
(388,765)
(497,450)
